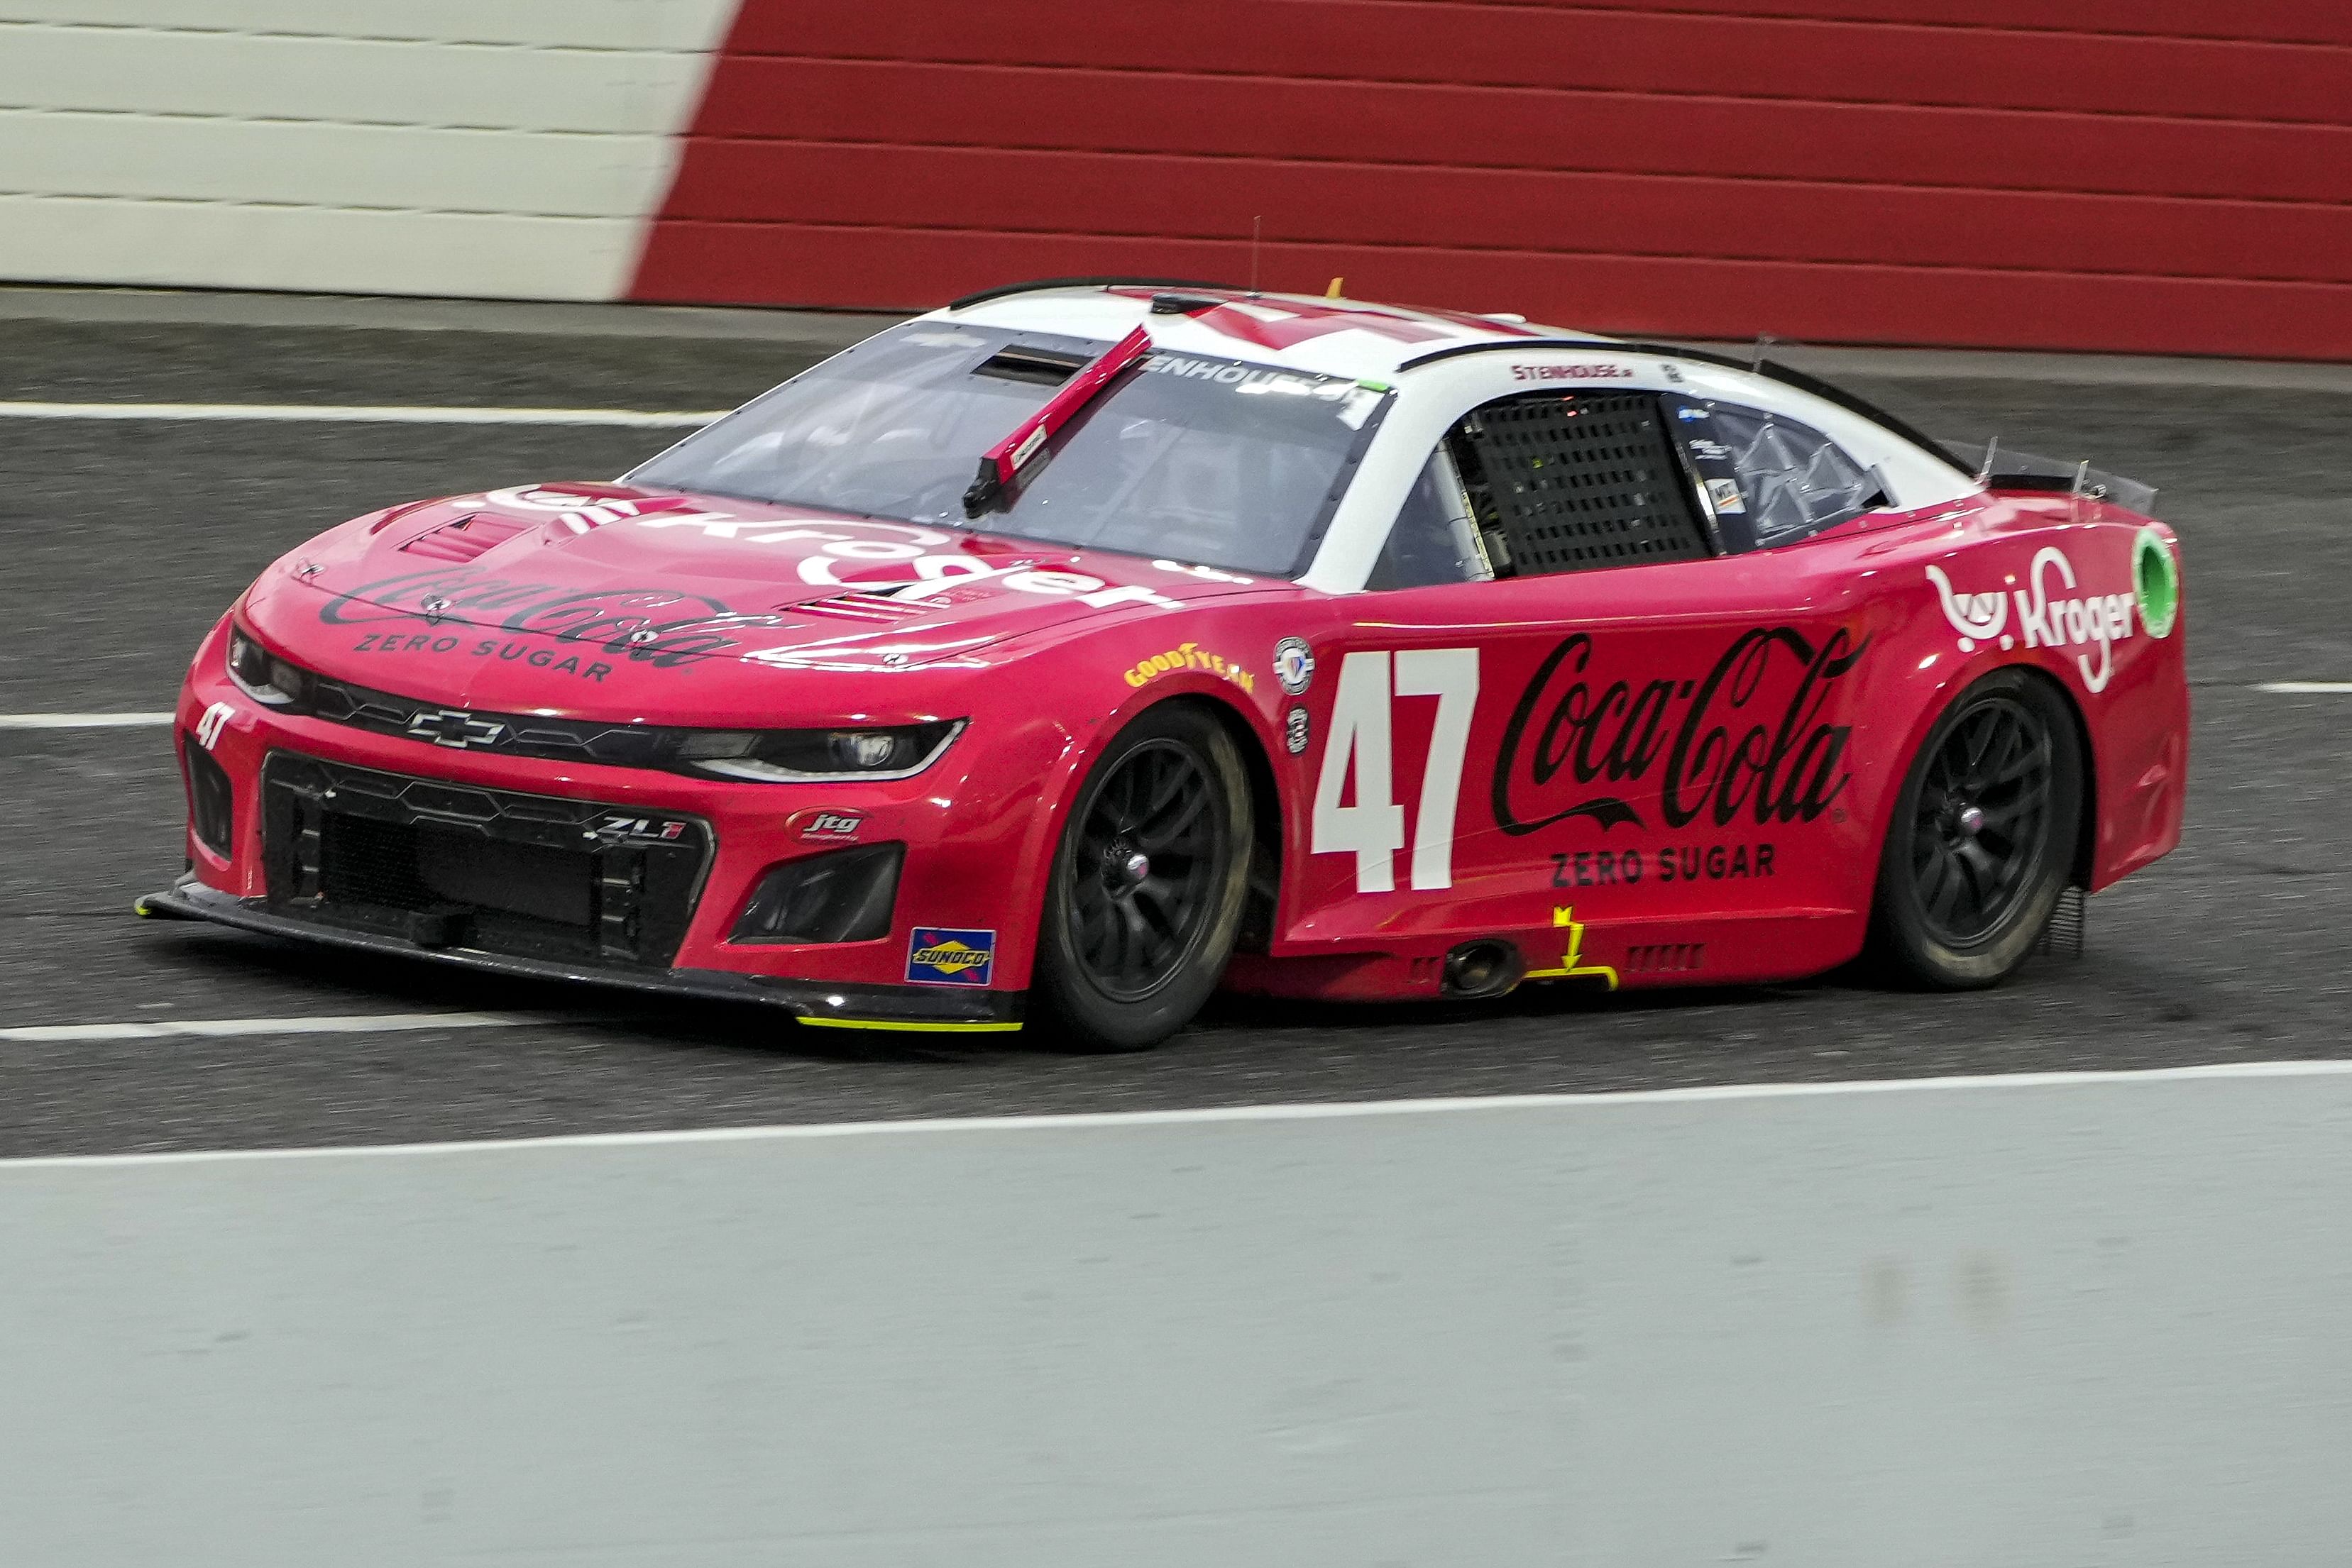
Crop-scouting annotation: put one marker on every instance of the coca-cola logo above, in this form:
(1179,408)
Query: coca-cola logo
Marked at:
(1747,738)
(655,625)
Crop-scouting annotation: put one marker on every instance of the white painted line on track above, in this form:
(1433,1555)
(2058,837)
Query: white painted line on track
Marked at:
(80,720)
(230,1028)
(1114,1121)
(332,415)
(2307,688)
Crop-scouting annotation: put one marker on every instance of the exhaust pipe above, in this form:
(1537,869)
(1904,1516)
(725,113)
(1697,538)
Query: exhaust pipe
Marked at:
(1488,967)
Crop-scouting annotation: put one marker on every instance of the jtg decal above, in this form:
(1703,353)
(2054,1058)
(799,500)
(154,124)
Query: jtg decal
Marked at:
(827,824)
(1358,739)
(944,955)
(1785,765)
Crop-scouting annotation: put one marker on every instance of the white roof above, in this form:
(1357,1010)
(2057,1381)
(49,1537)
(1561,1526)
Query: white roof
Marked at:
(1361,341)
(1296,331)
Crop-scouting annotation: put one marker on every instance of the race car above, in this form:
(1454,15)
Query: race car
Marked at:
(1059,656)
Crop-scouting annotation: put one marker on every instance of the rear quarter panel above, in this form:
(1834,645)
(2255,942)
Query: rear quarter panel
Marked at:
(2050,583)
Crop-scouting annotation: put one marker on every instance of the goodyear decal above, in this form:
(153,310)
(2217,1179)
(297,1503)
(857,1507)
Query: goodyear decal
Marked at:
(943,956)
(1189,656)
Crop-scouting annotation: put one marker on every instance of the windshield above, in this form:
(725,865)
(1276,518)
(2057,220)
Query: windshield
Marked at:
(1204,460)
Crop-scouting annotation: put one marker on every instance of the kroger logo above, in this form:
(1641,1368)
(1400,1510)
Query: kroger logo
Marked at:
(2050,614)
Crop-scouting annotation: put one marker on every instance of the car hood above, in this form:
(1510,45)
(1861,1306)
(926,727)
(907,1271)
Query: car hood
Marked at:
(639,581)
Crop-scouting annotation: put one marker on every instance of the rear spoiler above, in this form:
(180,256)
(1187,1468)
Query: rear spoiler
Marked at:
(1999,467)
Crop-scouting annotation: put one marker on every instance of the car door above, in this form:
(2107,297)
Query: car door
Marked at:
(1567,694)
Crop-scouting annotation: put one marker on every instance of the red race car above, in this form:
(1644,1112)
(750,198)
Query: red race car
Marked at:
(1063,654)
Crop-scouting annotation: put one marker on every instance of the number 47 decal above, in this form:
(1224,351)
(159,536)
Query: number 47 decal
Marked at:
(1358,733)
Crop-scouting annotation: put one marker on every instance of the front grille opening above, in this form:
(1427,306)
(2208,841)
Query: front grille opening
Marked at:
(212,803)
(425,868)
(443,865)
(362,861)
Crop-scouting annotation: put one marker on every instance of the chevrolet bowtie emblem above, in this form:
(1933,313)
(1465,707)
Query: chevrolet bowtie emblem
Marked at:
(448,726)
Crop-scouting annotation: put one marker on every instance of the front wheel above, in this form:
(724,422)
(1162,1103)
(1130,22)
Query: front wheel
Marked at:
(1982,839)
(1148,885)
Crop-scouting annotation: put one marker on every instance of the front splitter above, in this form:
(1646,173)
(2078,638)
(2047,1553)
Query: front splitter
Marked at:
(906,1007)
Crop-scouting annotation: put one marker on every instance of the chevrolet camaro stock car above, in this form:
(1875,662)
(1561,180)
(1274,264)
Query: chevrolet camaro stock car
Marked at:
(1061,656)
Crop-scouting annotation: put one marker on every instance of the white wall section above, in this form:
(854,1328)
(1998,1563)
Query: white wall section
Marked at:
(2077,1319)
(510,150)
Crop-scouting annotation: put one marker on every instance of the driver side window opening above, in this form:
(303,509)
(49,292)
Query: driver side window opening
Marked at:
(1436,538)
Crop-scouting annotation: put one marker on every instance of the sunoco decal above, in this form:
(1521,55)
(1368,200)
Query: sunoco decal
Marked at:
(946,956)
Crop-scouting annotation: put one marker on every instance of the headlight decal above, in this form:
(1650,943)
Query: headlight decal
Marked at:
(796,756)
(262,675)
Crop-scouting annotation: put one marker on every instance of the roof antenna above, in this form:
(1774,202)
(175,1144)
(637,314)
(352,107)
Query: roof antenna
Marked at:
(1257,226)
(1984,473)
(1755,360)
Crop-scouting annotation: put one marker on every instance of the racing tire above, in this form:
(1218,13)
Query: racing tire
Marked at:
(1148,886)
(1981,843)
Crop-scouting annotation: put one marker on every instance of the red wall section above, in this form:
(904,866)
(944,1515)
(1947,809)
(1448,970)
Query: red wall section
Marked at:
(2098,174)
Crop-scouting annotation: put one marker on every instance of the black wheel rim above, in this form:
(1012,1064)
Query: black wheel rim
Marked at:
(1141,876)
(1983,822)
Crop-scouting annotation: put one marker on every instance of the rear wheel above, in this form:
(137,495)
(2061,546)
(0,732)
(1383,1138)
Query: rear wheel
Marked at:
(1148,885)
(1983,836)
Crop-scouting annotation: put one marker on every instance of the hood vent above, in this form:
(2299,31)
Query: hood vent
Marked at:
(467,538)
(872,607)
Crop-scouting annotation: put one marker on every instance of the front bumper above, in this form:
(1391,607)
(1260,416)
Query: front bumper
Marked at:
(833,1007)
(967,874)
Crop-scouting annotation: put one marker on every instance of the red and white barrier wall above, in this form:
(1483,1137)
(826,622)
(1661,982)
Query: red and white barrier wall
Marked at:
(2135,175)
(489,148)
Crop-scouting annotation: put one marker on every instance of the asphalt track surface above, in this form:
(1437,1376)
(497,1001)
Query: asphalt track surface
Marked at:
(122,541)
